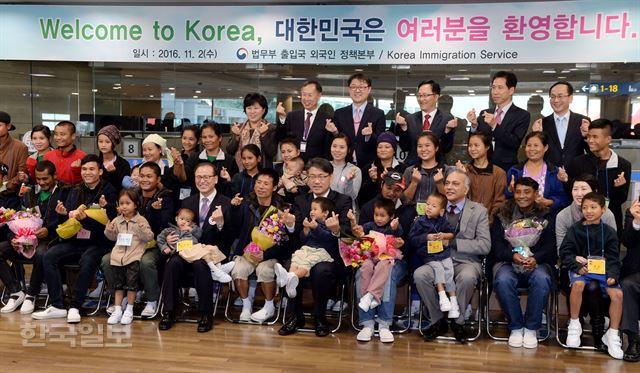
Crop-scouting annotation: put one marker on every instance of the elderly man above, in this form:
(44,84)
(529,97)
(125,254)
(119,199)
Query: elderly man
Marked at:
(212,209)
(472,241)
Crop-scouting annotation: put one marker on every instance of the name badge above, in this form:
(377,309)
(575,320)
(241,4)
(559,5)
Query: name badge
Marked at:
(124,239)
(83,234)
(596,265)
(434,247)
(184,245)
(421,208)
(184,193)
(303,146)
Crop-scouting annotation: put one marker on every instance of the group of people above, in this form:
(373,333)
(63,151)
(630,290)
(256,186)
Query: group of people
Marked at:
(192,213)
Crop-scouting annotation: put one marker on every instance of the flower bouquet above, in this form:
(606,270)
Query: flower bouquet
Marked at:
(270,232)
(355,251)
(383,247)
(522,234)
(72,226)
(24,225)
(5,215)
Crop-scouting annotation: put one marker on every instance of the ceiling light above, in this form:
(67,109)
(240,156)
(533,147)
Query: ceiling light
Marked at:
(128,76)
(288,77)
(401,67)
(548,71)
(150,96)
(117,84)
(74,94)
(198,92)
(94,90)
(562,77)
(42,75)
(471,91)
(459,78)
(472,94)
(412,94)
(359,70)
(172,88)
(116,87)
(462,70)
(195,96)
(538,91)
(333,76)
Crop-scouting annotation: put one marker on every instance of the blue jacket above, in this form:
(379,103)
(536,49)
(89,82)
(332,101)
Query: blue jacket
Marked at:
(418,237)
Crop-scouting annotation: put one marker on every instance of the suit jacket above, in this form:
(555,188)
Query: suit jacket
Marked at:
(473,239)
(365,150)
(343,204)
(414,128)
(318,140)
(574,144)
(507,135)
(212,234)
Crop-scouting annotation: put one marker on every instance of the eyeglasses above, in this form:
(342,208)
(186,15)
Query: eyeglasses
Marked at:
(425,95)
(204,177)
(559,97)
(317,177)
(358,87)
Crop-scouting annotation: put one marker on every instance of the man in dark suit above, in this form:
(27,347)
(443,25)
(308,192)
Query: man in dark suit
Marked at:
(324,276)
(429,118)
(212,210)
(361,121)
(566,130)
(307,126)
(506,124)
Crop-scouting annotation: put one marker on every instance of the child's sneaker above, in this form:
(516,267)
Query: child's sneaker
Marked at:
(282,276)
(445,304)
(385,335)
(573,334)
(115,317)
(454,312)
(292,284)
(614,344)
(127,316)
(365,334)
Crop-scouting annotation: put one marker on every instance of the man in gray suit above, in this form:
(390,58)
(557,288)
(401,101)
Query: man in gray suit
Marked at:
(429,118)
(472,241)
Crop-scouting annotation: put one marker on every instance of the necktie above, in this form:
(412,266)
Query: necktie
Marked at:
(499,116)
(452,209)
(562,130)
(356,121)
(307,126)
(204,208)
(426,124)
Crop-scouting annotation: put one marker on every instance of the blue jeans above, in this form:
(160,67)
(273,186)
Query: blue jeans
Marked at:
(388,304)
(88,256)
(538,283)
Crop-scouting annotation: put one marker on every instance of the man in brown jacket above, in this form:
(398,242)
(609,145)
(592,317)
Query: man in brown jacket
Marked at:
(13,152)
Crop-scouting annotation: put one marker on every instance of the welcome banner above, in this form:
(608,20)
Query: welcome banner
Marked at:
(538,32)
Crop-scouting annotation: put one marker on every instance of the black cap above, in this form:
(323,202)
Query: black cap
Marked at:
(6,119)
(394,178)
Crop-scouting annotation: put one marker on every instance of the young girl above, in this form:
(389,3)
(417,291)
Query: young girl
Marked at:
(317,240)
(375,272)
(189,139)
(114,168)
(430,235)
(487,181)
(242,182)
(131,232)
(187,230)
(41,140)
(347,178)
(427,176)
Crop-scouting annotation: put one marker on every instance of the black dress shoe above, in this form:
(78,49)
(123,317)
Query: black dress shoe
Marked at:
(291,326)
(322,329)
(458,332)
(205,324)
(168,318)
(632,353)
(435,330)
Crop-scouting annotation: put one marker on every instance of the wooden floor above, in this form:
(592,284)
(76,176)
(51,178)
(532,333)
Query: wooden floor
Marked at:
(27,345)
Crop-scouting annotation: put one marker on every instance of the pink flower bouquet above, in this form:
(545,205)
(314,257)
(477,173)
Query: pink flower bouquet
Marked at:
(270,232)
(24,225)
(383,247)
(355,253)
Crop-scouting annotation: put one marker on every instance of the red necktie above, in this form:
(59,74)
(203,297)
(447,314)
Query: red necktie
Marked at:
(427,124)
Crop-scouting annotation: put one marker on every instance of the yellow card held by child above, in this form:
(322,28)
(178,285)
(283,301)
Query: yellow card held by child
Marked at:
(434,247)
(421,208)
(596,265)
(184,245)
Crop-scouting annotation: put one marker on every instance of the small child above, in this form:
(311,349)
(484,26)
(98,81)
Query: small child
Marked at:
(289,149)
(293,180)
(131,231)
(430,235)
(132,181)
(187,230)
(590,252)
(317,240)
(374,272)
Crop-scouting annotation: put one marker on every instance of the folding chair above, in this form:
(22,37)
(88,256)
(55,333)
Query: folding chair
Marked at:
(330,314)
(17,266)
(71,271)
(355,309)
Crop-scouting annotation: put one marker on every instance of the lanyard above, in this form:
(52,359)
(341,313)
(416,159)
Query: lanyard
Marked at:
(602,235)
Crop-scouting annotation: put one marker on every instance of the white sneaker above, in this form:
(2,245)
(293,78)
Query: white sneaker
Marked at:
(220,276)
(516,338)
(530,339)
(14,302)
(149,309)
(454,312)
(73,316)
(263,315)
(339,306)
(115,317)
(245,315)
(365,334)
(50,313)
(445,304)
(385,335)
(282,276)
(27,306)
(127,317)
(614,344)
(573,334)
(365,302)
(292,284)
(330,304)
(227,267)
(110,310)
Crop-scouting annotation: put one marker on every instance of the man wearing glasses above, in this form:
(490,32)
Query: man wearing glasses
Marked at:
(360,121)
(429,118)
(566,130)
